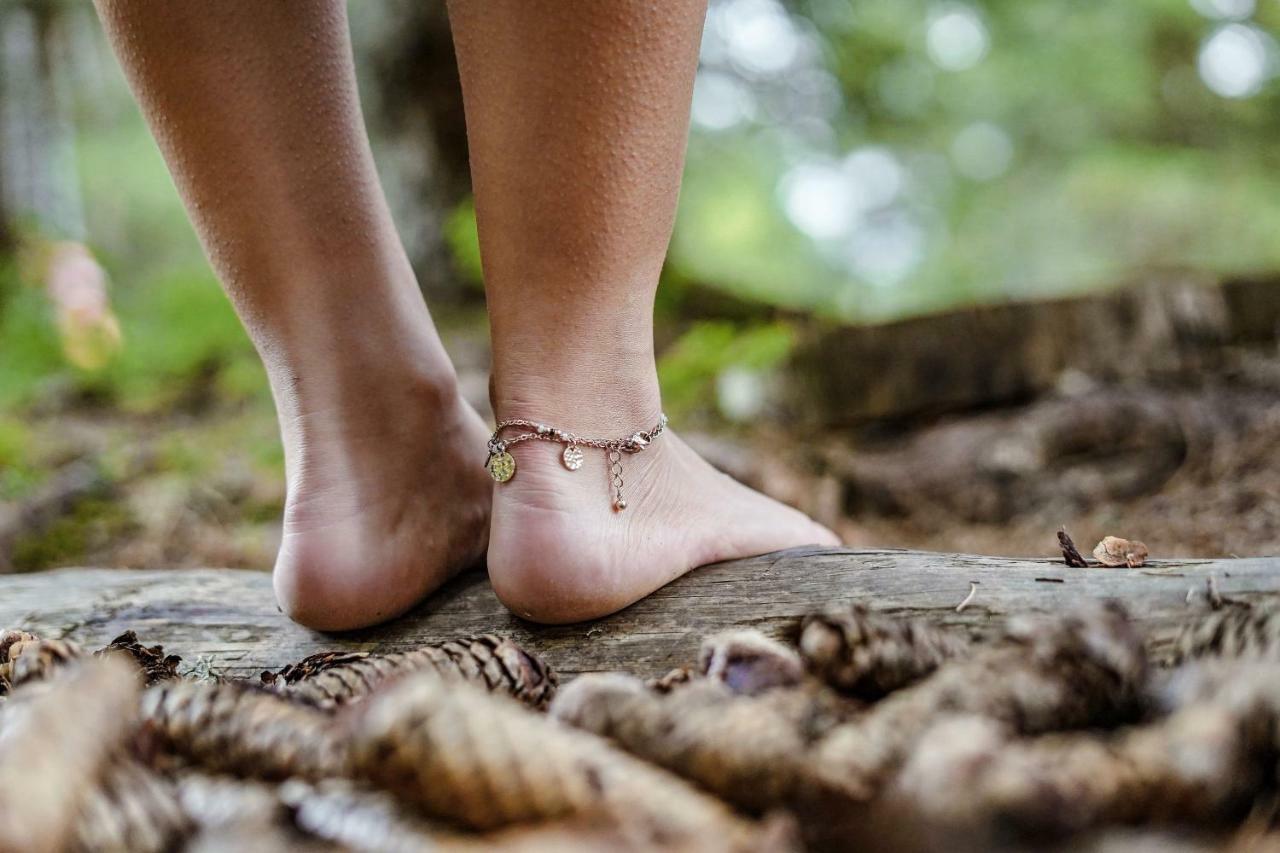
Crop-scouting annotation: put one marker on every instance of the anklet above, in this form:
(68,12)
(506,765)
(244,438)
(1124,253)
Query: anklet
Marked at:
(502,465)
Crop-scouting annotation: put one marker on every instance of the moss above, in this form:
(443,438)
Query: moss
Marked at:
(93,523)
(19,473)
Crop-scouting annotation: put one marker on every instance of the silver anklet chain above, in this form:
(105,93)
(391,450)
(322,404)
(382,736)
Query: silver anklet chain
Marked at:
(502,465)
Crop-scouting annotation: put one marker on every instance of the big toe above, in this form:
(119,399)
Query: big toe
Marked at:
(824,536)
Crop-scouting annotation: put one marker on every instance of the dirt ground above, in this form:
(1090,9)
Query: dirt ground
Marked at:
(1190,474)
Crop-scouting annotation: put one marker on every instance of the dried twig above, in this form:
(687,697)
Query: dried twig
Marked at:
(1070,554)
(968,599)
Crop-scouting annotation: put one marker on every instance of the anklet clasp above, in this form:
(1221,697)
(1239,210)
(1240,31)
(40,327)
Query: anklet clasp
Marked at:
(502,465)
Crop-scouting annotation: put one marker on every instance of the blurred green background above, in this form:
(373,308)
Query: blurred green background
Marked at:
(856,161)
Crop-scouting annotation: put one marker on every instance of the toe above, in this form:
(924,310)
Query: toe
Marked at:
(824,536)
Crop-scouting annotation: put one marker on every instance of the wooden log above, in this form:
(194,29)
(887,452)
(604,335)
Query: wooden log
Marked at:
(1173,330)
(230,618)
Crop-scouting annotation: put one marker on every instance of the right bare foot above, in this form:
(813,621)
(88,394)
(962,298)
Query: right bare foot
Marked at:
(560,553)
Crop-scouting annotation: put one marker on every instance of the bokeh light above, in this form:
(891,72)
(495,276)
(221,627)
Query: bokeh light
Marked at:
(759,35)
(1225,10)
(819,200)
(886,248)
(1236,60)
(982,151)
(721,101)
(956,38)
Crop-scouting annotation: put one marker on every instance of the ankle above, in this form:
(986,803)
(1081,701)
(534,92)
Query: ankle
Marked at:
(588,399)
(346,404)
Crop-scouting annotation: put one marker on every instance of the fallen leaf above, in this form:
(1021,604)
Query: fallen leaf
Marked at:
(1113,551)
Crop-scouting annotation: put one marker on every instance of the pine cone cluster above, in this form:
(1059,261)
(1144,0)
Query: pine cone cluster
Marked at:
(868,732)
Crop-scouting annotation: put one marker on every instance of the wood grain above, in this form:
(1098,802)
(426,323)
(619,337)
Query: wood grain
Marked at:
(229,616)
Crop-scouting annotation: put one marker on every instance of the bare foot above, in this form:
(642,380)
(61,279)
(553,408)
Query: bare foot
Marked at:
(560,553)
(387,500)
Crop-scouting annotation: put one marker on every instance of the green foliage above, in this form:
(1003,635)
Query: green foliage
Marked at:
(731,233)
(463,240)
(179,331)
(688,370)
(1121,157)
(30,354)
(19,473)
(136,221)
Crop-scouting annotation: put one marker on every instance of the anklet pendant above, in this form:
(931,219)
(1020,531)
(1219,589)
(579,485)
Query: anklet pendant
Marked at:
(501,464)
(572,457)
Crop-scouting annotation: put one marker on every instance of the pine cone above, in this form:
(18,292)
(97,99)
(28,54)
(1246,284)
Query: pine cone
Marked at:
(133,810)
(739,748)
(485,762)
(243,729)
(1045,674)
(1251,633)
(36,660)
(356,818)
(868,654)
(154,664)
(330,679)
(748,662)
(57,738)
(1201,764)
(11,643)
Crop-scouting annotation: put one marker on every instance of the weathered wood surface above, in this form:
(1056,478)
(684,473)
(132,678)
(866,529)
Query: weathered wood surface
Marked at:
(229,617)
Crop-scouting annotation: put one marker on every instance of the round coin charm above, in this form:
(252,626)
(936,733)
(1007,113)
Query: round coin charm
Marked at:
(572,457)
(502,466)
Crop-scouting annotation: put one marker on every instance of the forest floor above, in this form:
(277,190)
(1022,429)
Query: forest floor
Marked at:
(203,485)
